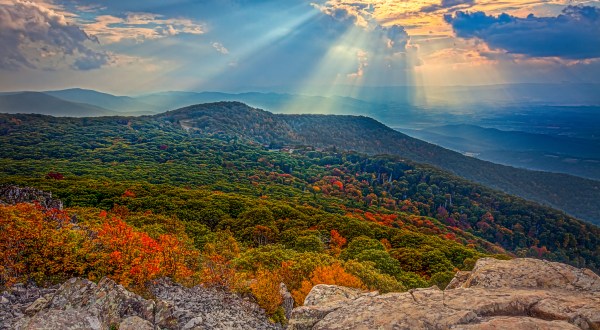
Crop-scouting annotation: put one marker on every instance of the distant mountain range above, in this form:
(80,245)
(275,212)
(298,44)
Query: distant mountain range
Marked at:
(500,94)
(554,153)
(121,104)
(88,103)
(42,103)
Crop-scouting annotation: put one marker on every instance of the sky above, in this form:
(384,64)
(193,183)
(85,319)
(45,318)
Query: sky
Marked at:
(136,47)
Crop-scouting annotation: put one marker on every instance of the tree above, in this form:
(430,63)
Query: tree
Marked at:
(333,274)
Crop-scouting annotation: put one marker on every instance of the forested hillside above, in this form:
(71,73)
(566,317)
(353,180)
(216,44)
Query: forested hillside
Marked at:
(146,198)
(574,195)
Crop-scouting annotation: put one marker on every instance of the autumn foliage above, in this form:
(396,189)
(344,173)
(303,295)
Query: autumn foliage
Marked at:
(333,274)
(265,289)
(132,257)
(337,242)
(43,245)
(33,248)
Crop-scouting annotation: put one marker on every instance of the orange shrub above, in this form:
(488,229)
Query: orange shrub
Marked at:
(265,288)
(132,257)
(337,242)
(333,274)
(219,272)
(37,244)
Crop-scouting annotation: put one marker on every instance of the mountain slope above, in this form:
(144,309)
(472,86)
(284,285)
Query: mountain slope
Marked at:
(574,195)
(40,103)
(114,162)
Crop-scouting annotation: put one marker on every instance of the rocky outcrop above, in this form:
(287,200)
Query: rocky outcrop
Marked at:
(15,302)
(10,194)
(207,308)
(82,304)
(515,294)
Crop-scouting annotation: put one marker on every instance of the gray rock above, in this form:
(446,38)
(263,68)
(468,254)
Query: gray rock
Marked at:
(459,279)
(287,300)
(10,194)
(193,323)
(135,323)
(59,319)
(216,309)
(16,300)
(38,305)
(83,304)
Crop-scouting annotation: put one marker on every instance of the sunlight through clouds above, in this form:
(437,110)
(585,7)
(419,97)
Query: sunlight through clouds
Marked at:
(304,46)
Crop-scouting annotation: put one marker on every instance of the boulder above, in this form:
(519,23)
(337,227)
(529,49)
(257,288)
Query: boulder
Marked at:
(515,294)
(320,302)
(530,273)
(326,294)
(10,194)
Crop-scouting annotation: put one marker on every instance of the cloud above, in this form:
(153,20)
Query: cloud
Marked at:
(220,48)
(363,62)
(35,36)
(359,14)
(140,27)
(574,34)
(447,4)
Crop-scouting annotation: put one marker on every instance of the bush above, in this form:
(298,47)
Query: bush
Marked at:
(382,261)
(360,244)
(372,278)
(309,243)
(441,280)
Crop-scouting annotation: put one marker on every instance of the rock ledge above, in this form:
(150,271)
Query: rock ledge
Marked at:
(514,294)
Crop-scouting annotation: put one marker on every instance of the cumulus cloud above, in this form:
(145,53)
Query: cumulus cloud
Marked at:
(382,51)
(140,27)
(363,62)
(448,4)
(574,34)
(220,48)
(35,36)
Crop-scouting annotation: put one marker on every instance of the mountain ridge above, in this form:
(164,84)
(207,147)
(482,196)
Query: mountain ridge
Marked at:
(41,103)
(105,100)
(364,134)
